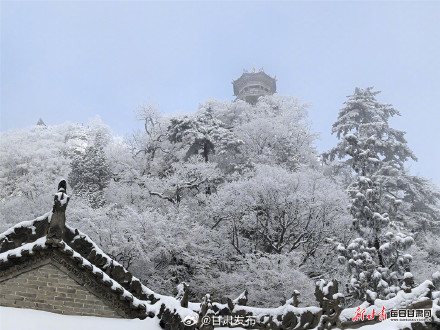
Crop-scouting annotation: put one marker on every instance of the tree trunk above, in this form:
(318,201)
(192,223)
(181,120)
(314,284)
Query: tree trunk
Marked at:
(379,254)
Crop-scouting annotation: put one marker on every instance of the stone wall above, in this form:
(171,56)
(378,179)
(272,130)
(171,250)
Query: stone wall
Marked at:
(50,289)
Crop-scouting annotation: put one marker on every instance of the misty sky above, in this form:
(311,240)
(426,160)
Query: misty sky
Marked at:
(70,61)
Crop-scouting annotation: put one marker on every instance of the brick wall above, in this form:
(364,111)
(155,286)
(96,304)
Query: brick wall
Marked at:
(49,289)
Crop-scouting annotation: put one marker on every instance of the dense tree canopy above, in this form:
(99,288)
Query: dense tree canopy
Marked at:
(232,192)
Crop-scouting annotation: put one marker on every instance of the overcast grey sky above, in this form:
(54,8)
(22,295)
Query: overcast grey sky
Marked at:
(69,61)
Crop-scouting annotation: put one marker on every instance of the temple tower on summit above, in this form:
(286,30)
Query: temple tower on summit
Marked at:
(251,85)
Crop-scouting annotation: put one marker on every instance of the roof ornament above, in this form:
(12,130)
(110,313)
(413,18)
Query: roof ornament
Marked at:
(57,221)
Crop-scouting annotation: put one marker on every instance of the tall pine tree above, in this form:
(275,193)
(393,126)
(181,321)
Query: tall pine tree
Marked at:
(91,174)
(376,153)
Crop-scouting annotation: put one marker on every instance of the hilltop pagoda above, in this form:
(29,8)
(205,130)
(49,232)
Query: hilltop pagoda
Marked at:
(251,85)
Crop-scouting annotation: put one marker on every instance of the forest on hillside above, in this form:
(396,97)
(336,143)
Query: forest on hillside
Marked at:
(236,197)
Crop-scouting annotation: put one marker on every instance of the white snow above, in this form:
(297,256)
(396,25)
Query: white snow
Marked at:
(324,289)
(387,325)
(403,299)
(241,296)
(29,319)
(27,224)
(17,251)
(62,197)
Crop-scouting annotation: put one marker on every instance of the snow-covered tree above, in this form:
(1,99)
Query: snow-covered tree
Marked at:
(91,174)
(32,161)
(189,179)
(150,146)
(234,192)
(271,279)
(376,153)
(370,275)
(275,211)
(202,134)
(276,132)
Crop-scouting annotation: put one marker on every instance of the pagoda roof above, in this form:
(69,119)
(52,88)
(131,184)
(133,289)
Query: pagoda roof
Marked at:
(253,76)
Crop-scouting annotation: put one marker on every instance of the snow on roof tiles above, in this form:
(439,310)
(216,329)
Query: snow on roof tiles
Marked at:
(153,304)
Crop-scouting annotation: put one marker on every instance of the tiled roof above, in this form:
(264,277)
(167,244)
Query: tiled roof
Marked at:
(27,239)
(29,249)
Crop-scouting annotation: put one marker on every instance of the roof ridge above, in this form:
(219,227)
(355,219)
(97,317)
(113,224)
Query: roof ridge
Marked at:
(43,243)
(24,224)
(86,252)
